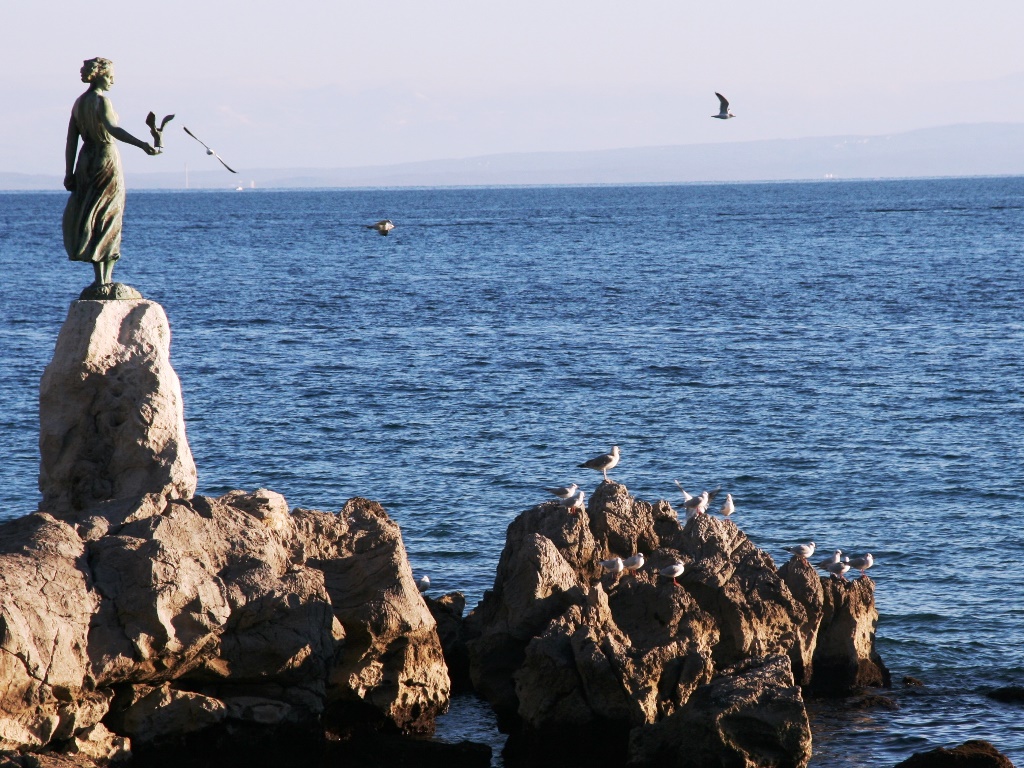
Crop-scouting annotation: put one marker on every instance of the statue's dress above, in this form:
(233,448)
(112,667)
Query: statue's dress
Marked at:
(92,217)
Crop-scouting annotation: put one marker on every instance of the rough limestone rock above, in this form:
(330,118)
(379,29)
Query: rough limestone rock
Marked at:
(970,754)
(806,586)
(534,584)
(585,668)
(207,613)
(747,717)
(447,611)
(737,583)
(392,657)
(845,658)
(46,607)
(575,659)
(110,410)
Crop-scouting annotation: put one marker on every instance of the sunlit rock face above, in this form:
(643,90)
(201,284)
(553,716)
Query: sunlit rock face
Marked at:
(111,417)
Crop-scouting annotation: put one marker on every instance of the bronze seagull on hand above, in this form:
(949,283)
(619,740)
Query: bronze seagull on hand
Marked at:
(158,133)
(209,151)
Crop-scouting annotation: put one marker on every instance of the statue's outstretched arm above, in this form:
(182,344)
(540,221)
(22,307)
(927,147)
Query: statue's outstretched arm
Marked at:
(119,133)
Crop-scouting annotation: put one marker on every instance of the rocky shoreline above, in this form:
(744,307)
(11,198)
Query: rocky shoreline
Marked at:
(145,625)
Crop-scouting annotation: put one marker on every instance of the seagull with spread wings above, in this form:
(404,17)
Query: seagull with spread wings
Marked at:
(210,151)
(723,112)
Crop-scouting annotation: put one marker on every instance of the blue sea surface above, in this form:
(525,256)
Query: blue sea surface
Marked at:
(845,358)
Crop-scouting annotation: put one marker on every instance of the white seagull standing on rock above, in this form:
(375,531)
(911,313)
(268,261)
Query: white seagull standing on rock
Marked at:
(832,560)
(577,503)
(564,492)
(728,507)
(614,565)
(604,462)
(862,563)
(723,108)
(840,568)
(634,563)
(672,571)
(801,550)
(423,583)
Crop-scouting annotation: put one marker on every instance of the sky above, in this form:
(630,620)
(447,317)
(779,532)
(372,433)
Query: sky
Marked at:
(336,83)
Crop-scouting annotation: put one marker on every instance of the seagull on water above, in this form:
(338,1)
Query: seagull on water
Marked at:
(614,565)
(634,563)
(210,151)
(577,503)
(674,570)
(801,550)
(423,583)
(723,112)
(383,226)
(564,492)
(604,462)
(862,563)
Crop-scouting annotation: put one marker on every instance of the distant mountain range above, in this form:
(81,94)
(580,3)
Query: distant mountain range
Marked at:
(984,149)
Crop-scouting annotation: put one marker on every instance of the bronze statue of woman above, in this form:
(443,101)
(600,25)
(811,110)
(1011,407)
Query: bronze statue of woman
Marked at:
(92,217)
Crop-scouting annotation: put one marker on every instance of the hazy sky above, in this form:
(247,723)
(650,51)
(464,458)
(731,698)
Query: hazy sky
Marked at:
(333,83)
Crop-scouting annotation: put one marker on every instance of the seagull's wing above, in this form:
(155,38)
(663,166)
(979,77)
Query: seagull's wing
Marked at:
(151,121)
(199,140)
(712,494)
(223,163)
(165,121)
(724,102)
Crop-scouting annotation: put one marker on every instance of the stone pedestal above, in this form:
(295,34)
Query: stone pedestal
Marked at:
(111,423)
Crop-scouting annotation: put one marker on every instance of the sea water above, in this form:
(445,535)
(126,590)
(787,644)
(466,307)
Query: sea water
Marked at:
(847,359)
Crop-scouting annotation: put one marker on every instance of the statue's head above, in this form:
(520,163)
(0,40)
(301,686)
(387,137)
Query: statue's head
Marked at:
(94,70)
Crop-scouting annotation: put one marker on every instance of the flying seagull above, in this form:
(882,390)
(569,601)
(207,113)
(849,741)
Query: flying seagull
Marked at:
(723,113)
(383,226)
(604,462)
(210,151)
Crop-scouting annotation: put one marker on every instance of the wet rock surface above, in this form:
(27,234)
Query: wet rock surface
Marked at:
(970,754)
